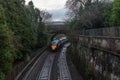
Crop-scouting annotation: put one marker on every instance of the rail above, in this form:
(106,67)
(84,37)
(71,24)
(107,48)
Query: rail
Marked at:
(46,70)
(64,71)
(29,65)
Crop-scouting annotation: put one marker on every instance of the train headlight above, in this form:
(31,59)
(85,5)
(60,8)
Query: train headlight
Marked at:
(53,47)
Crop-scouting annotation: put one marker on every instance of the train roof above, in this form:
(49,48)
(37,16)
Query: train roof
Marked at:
(62,38)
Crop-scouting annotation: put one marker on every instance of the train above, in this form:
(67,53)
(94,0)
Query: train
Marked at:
(56,44)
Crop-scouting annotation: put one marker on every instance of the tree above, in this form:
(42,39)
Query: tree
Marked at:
(6,47)
(21,32)
(115,18)
(107,15)
(46,16)
(87,13)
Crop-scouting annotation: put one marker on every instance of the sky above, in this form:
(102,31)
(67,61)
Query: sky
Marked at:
(55,7)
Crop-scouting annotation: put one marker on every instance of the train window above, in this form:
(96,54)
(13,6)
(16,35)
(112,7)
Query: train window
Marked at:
(54,42)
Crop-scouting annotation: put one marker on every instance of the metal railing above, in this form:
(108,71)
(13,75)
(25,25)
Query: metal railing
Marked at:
(112,32)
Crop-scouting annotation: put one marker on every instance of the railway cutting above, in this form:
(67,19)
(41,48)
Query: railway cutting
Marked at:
(47,65)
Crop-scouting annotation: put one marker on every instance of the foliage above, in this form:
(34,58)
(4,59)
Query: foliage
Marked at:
(107,15)
(6,46)
(21,32)
(88,14)
(115,18)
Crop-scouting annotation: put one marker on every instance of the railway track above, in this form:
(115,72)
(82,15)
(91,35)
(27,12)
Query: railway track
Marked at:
(63,68)
(42,68)
(64,73)
(46,70)
(31,73)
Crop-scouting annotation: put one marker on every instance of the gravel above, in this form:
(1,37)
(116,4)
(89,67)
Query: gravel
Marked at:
(55,69)
(73,71)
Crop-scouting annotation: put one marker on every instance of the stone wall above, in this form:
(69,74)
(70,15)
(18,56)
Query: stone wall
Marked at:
(97,57)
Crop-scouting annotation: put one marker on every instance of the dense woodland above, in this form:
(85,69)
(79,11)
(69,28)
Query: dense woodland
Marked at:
(22,30)
(91,14)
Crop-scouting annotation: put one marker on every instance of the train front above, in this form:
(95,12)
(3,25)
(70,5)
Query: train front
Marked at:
(53,45)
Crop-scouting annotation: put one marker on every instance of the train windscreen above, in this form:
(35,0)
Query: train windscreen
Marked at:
(54,43)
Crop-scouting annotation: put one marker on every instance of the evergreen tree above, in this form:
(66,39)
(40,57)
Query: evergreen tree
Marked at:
(115,18)
(107,14)
(6,47)
(21,26)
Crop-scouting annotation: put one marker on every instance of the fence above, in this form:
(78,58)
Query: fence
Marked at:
(112,32)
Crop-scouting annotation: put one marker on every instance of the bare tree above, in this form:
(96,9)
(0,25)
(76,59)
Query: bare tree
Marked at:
(46,16)
(87,13)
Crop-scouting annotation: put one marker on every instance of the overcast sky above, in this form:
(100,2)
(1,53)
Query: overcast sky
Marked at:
(55,7)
